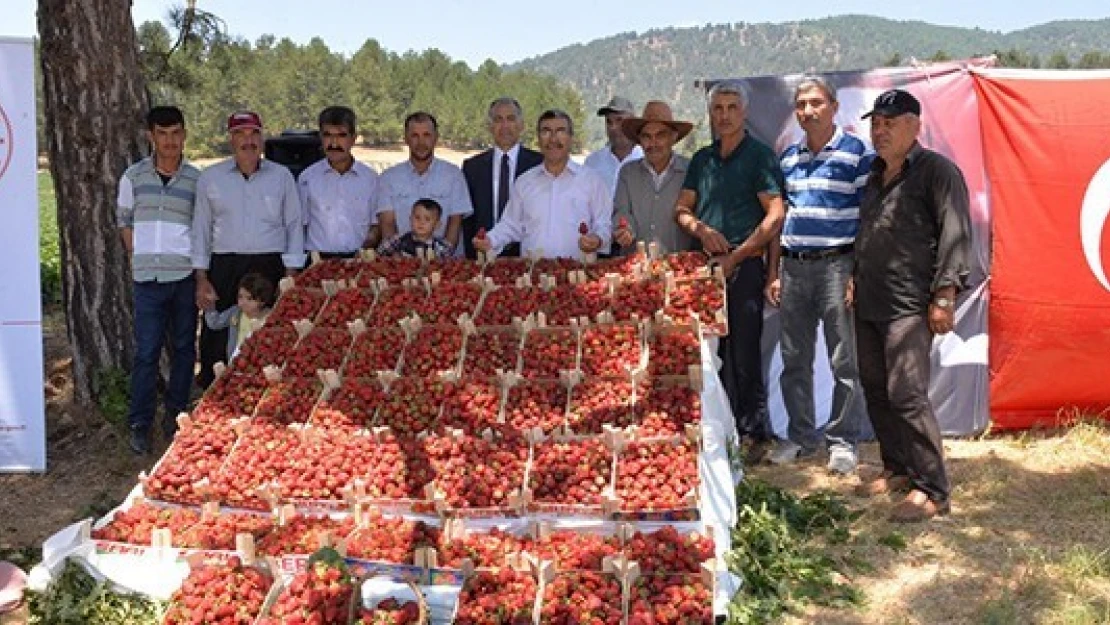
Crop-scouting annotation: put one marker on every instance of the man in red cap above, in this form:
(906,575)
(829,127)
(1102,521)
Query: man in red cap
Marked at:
(247,219)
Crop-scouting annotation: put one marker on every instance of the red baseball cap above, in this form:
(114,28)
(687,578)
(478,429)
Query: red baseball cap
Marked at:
(244,119)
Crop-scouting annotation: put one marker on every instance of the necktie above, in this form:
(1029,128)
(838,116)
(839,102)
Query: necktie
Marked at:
(502,187)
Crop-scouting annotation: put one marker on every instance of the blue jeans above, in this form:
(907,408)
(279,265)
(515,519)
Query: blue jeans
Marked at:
(163,311)
(813,291)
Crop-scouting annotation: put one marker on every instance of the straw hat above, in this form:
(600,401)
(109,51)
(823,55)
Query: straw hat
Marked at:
(655,111)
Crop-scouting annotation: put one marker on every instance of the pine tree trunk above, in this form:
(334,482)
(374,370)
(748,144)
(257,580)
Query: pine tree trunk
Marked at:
(95,99)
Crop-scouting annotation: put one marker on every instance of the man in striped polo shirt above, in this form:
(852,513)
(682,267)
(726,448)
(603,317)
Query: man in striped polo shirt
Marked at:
(155,215)
(825,174)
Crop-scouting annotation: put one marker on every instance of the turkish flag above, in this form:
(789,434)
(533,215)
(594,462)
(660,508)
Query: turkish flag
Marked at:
(1046,139)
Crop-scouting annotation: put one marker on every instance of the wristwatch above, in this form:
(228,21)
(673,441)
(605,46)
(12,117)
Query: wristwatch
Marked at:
(943,302)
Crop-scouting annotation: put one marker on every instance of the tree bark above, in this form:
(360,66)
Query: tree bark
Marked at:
(95,100)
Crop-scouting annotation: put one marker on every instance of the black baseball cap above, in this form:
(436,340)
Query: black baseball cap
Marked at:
(894,103)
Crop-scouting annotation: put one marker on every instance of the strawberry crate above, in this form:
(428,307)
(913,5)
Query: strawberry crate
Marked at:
(393,270)
(674,349)
(570,476)
(397,302)
(671,599)
(319,349)
(667,406)
(138,526)
(595,597)
(508,305)
(321,475)
(477,476)
(387,601)
(452,270)
(682,265)
(413,404)
(192,459)
(489,351)
(290,400)
(223,530)
(534,404)
(472,405)
(296,303)
(548,351)
(262,452)
(375,349)
(657,479)
(702,297)
(506,271)
(638,300)
(447,302)
(398,476)
(461,549)
(229,590)
(431,349)
(508,595)
(297,535)
(391,545)
(330,270)
(579,548)
(346,306)
(668,550)
(350,406)
(230,396)
(267,347)
(609,348)
(564,304)
(324,592)
(600,404)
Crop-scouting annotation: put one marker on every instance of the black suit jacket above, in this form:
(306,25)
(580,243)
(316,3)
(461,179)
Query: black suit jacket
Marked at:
(478,171)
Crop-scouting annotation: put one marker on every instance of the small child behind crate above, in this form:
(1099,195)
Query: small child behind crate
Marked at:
(256,298)
(426,214)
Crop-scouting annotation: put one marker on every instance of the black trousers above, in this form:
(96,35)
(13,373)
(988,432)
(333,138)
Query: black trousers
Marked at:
(894,372)
(224,272)
(741,352)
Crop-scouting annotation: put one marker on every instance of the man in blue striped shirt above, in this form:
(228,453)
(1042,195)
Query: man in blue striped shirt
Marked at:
(825,174)
(155,215)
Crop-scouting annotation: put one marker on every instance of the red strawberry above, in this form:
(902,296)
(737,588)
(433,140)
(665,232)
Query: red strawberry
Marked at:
(481,233)
(622,222)
(583,228)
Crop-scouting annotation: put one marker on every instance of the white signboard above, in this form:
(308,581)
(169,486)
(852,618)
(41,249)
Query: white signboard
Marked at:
(22,410)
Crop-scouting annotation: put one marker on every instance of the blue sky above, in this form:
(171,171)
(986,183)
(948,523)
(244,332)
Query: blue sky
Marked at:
(474,30)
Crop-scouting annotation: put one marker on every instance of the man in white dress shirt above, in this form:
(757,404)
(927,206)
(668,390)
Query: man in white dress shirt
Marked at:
(422,176)
(338,193)
(559,207)
(620,150)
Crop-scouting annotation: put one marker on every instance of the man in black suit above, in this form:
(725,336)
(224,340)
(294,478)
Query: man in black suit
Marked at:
(489,189)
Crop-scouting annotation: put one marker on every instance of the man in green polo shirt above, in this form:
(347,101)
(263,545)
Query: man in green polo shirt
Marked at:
(731,201)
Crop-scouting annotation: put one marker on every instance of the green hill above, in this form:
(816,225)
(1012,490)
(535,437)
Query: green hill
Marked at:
(664,63)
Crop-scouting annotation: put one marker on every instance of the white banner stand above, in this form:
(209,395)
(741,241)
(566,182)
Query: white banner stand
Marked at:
(22,410)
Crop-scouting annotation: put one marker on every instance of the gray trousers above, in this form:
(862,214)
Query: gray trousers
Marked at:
(813,291)
(894,370)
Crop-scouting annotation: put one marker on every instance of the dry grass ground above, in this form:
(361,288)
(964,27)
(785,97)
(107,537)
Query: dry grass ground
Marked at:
(1028,540)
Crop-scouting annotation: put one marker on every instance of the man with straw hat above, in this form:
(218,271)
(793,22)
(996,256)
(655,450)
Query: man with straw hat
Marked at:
(648,188)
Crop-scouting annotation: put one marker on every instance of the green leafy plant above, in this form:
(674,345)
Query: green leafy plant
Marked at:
(76,598)
(113,394)
(775,549)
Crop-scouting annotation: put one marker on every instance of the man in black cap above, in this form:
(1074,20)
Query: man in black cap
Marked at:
(620,150)
(911,259)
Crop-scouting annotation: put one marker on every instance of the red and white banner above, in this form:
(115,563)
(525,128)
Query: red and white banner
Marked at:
(1047,139)
(22,417)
